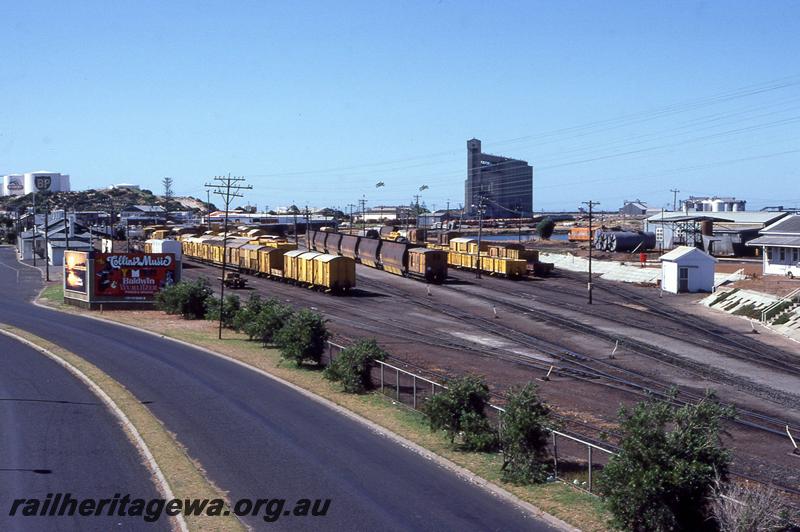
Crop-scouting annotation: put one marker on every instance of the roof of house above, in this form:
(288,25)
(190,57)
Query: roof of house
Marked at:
(638,204)
(790,225)
(684,251)
(772,240)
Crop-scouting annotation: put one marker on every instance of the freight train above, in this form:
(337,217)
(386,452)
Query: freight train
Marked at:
(494,258)
(399,258)
(275,259)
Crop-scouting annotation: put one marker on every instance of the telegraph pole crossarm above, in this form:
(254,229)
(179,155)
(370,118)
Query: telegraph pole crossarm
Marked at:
(227,188)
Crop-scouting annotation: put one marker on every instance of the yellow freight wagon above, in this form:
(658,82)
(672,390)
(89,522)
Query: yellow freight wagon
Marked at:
(271,261)
(290,266)
(305,267)
(461,244)
(472,247)
(248,257)
(334,273)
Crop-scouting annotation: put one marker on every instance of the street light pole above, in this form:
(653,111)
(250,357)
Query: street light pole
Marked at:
(591,245)
(480,235)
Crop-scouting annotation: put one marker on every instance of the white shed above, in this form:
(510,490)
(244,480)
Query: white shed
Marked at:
(687,269)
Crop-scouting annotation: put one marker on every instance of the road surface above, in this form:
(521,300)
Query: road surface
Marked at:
(58,437)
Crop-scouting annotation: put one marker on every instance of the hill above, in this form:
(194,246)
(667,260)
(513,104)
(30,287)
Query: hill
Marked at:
(114,199)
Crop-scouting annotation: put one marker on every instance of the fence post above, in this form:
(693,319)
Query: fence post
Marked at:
(555,456)
(397,391)
(590,468)
(381,378)
(414,380)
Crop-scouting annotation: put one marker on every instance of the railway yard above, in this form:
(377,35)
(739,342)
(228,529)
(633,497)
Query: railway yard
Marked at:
(631,341)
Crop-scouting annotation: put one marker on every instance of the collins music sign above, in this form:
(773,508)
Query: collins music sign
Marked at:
(132,276)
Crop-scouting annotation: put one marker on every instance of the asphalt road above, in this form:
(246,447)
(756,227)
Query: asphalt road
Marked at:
(57,436)
(259,439)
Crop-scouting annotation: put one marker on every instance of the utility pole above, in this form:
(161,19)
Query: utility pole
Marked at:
(416,218)
(308,229)
(591,245)
(350,228)
(33,246)
(481,208)
(46,243)
(294,213)
(363,203)
(674,199)
(226,188)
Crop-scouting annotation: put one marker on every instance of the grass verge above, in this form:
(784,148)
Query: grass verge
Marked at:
(576,508)
(186,479)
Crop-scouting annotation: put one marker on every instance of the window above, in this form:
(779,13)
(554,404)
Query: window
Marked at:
(783,254)
(795,255)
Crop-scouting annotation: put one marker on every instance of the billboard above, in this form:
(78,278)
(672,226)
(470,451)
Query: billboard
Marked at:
(75,271)
(132,276)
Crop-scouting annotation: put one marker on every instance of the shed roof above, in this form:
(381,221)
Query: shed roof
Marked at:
(737,217)
(684,251)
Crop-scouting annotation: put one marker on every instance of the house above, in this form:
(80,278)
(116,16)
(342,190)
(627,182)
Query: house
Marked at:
(143,215)
(56,237)
(687,269)
(780,244)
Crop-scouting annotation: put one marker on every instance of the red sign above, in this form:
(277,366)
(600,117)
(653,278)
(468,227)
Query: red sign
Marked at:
(133,276)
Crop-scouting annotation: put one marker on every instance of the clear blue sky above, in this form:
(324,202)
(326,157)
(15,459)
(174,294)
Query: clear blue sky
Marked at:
(315,102)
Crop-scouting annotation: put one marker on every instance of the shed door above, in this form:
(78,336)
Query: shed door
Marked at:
(683,279)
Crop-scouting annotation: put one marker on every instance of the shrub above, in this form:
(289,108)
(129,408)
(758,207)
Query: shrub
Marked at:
(303,337)
(523,437)
(740,507)
(271,318)
(669,461)
(352,366)
(461,410)
(230,307)
(545,228)
(187,298)
(246,315)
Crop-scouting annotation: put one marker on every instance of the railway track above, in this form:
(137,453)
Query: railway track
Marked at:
(567,363)
(644,384)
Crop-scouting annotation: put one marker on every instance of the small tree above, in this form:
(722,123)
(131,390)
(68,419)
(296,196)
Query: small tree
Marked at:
(187,298)
(667,466)
(303,337)
(545,228)
(271,318)
(523,438)
(352,366)
(461,410)
(230,308)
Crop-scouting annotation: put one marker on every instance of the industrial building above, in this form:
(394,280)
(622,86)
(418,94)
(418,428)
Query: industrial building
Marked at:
(719,233)
(506,184)
(780,243)
(42,181)
(712,204)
